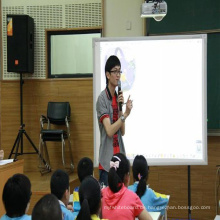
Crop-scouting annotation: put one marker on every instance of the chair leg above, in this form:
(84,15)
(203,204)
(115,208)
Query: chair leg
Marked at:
(63,154)
(63,150)
(44,154)
(71,155)
(40,151)
(47,167)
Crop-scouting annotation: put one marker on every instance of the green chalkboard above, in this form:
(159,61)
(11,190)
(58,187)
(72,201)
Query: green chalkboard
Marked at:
(187,16)
(213,80)
(197,16)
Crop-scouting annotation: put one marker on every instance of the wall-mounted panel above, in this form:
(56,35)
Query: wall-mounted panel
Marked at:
(50,14)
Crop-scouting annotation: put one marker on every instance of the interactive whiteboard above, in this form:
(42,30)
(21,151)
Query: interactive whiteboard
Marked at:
(166,78)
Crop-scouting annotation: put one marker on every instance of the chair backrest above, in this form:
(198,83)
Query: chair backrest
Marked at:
(57,112)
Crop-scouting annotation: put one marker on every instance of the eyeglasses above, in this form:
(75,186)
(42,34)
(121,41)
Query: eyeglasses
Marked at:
(116,72)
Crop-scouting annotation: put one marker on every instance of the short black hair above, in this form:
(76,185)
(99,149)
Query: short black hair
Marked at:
(48,207)
(111,62)
(16,195)
(59,183)
(84,168)
(90,198)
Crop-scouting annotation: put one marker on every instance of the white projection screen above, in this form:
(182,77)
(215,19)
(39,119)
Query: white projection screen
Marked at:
(166,78)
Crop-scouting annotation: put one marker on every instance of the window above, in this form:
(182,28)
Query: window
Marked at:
(70,52)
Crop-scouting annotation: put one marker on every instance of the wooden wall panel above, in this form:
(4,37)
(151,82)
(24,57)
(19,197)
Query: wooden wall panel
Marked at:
(0,113)
(173,180)
(36,95)
(170,180)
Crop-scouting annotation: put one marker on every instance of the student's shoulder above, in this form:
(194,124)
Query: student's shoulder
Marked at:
(105,189)
(65,210)
(68,215)
(4,217)
(132,188)
(23,217)
(157,195)
(26,217)
(131,193)
(150,193)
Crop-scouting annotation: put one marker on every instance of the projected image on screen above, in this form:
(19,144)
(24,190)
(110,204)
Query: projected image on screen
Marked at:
(166,78)
(128,63)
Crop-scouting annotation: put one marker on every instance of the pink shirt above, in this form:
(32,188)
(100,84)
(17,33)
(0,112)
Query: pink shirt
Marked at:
(123,205)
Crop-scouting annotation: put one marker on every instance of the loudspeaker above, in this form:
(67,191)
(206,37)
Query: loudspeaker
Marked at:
(20,44)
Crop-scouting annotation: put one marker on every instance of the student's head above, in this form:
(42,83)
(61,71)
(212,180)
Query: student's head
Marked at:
(119,172)
(48,207)
(89,197)
(84,168)
(140,173)
(111,62)
(16,195)
(59,185)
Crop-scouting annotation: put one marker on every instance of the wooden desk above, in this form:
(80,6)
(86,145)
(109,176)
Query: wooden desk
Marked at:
(7,171)
(155,215)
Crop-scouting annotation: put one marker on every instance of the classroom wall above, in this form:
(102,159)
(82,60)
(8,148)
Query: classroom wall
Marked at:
(122,18)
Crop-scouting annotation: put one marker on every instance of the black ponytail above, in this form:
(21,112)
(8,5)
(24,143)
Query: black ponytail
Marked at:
(116,175)
(90,198)
(141,187)
(140,173)
(114,181)
(84,213)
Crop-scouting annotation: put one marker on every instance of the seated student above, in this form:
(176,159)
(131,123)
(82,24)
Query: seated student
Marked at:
(48,207)
(90,199)
(118,202)
(84,169)
(16,198)
(59,186)
(153,202)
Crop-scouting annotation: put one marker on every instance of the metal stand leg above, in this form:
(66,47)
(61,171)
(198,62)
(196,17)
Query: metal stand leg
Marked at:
(17,144)
(19,139)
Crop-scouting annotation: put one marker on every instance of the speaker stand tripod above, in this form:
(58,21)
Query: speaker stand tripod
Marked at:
(19,139)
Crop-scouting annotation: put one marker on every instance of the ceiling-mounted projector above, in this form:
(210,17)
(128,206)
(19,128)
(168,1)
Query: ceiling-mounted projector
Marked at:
(156,9)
